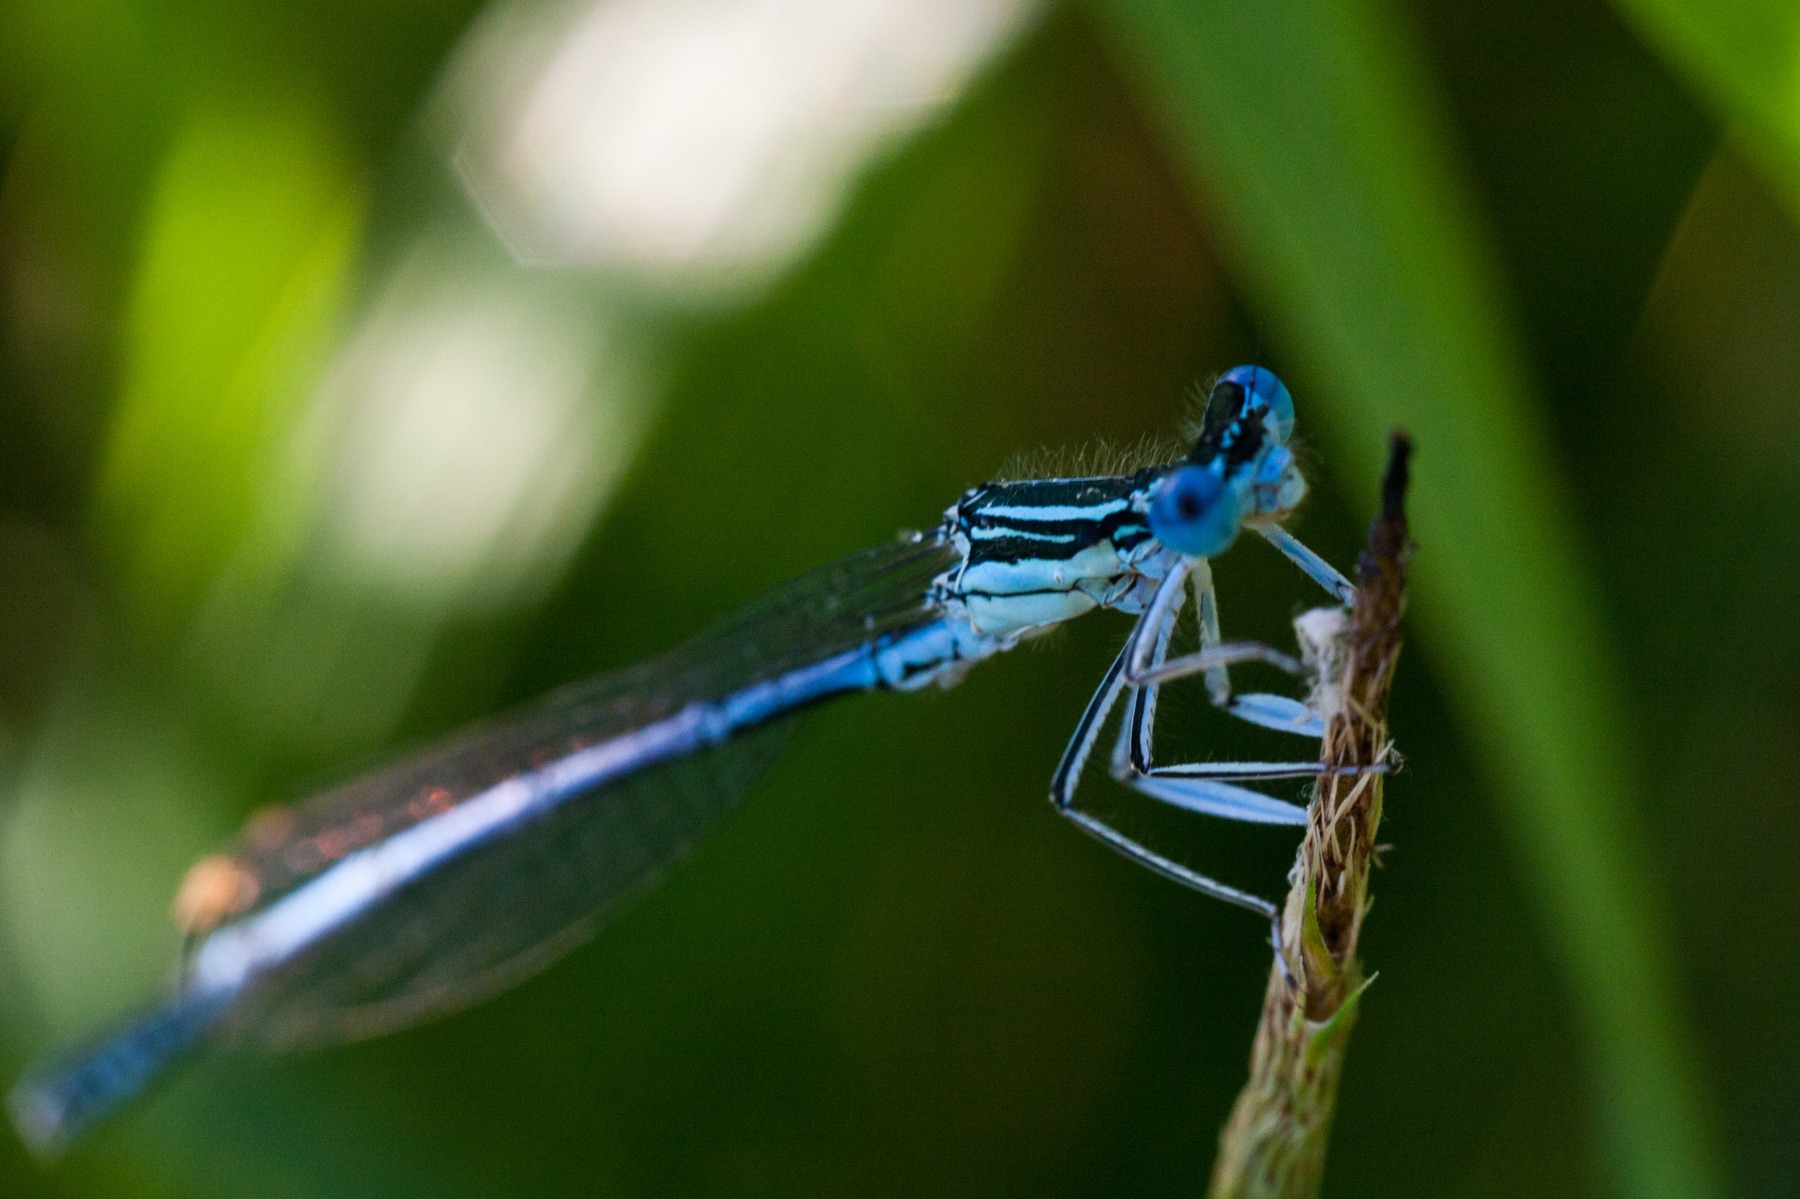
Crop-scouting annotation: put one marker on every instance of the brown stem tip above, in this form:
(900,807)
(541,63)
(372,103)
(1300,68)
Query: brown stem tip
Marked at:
(1273,1146)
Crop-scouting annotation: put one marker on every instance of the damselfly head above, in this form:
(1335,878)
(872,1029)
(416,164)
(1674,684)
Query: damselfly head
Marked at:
(1247,410)
(1240,468)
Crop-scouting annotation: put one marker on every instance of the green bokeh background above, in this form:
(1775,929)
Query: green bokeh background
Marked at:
(1555,240)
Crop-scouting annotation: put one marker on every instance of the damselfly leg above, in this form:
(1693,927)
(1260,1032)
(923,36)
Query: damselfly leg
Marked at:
(1205,787)
(1317,569)
(1214,659)
(1141,668)
(1147,653)
(1067,778)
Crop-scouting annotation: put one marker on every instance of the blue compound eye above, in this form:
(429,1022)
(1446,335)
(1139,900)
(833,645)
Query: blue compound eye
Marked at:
(1260,384)
(1195,513)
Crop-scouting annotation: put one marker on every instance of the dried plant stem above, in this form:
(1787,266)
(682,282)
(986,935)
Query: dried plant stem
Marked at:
(1273,1146)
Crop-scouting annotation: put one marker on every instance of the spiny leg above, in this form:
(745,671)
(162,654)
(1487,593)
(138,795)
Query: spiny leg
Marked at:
(1215,658)
(1270,711)
(1131,755)
(1207,787)
(1147,646)
(1317,569)
(1068,777)
(1276,712)
(1197,787)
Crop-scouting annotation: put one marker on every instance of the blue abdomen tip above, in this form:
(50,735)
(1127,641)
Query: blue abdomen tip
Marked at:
(54,1104)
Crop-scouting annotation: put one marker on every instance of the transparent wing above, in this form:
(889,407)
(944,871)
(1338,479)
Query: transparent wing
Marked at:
(505,909)
(492,918)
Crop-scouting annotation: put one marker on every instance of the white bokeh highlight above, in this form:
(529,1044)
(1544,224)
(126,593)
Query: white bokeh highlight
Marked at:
(703,144)
(479,423)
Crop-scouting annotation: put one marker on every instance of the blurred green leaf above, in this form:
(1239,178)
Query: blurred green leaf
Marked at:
(247,248)
(1307,125)
(1743,58)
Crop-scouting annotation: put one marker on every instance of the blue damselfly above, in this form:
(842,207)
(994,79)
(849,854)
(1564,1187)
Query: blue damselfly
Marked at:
(435,882)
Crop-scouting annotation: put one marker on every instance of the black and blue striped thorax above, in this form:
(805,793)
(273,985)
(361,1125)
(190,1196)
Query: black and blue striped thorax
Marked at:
(1042,551)
(1048,520)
